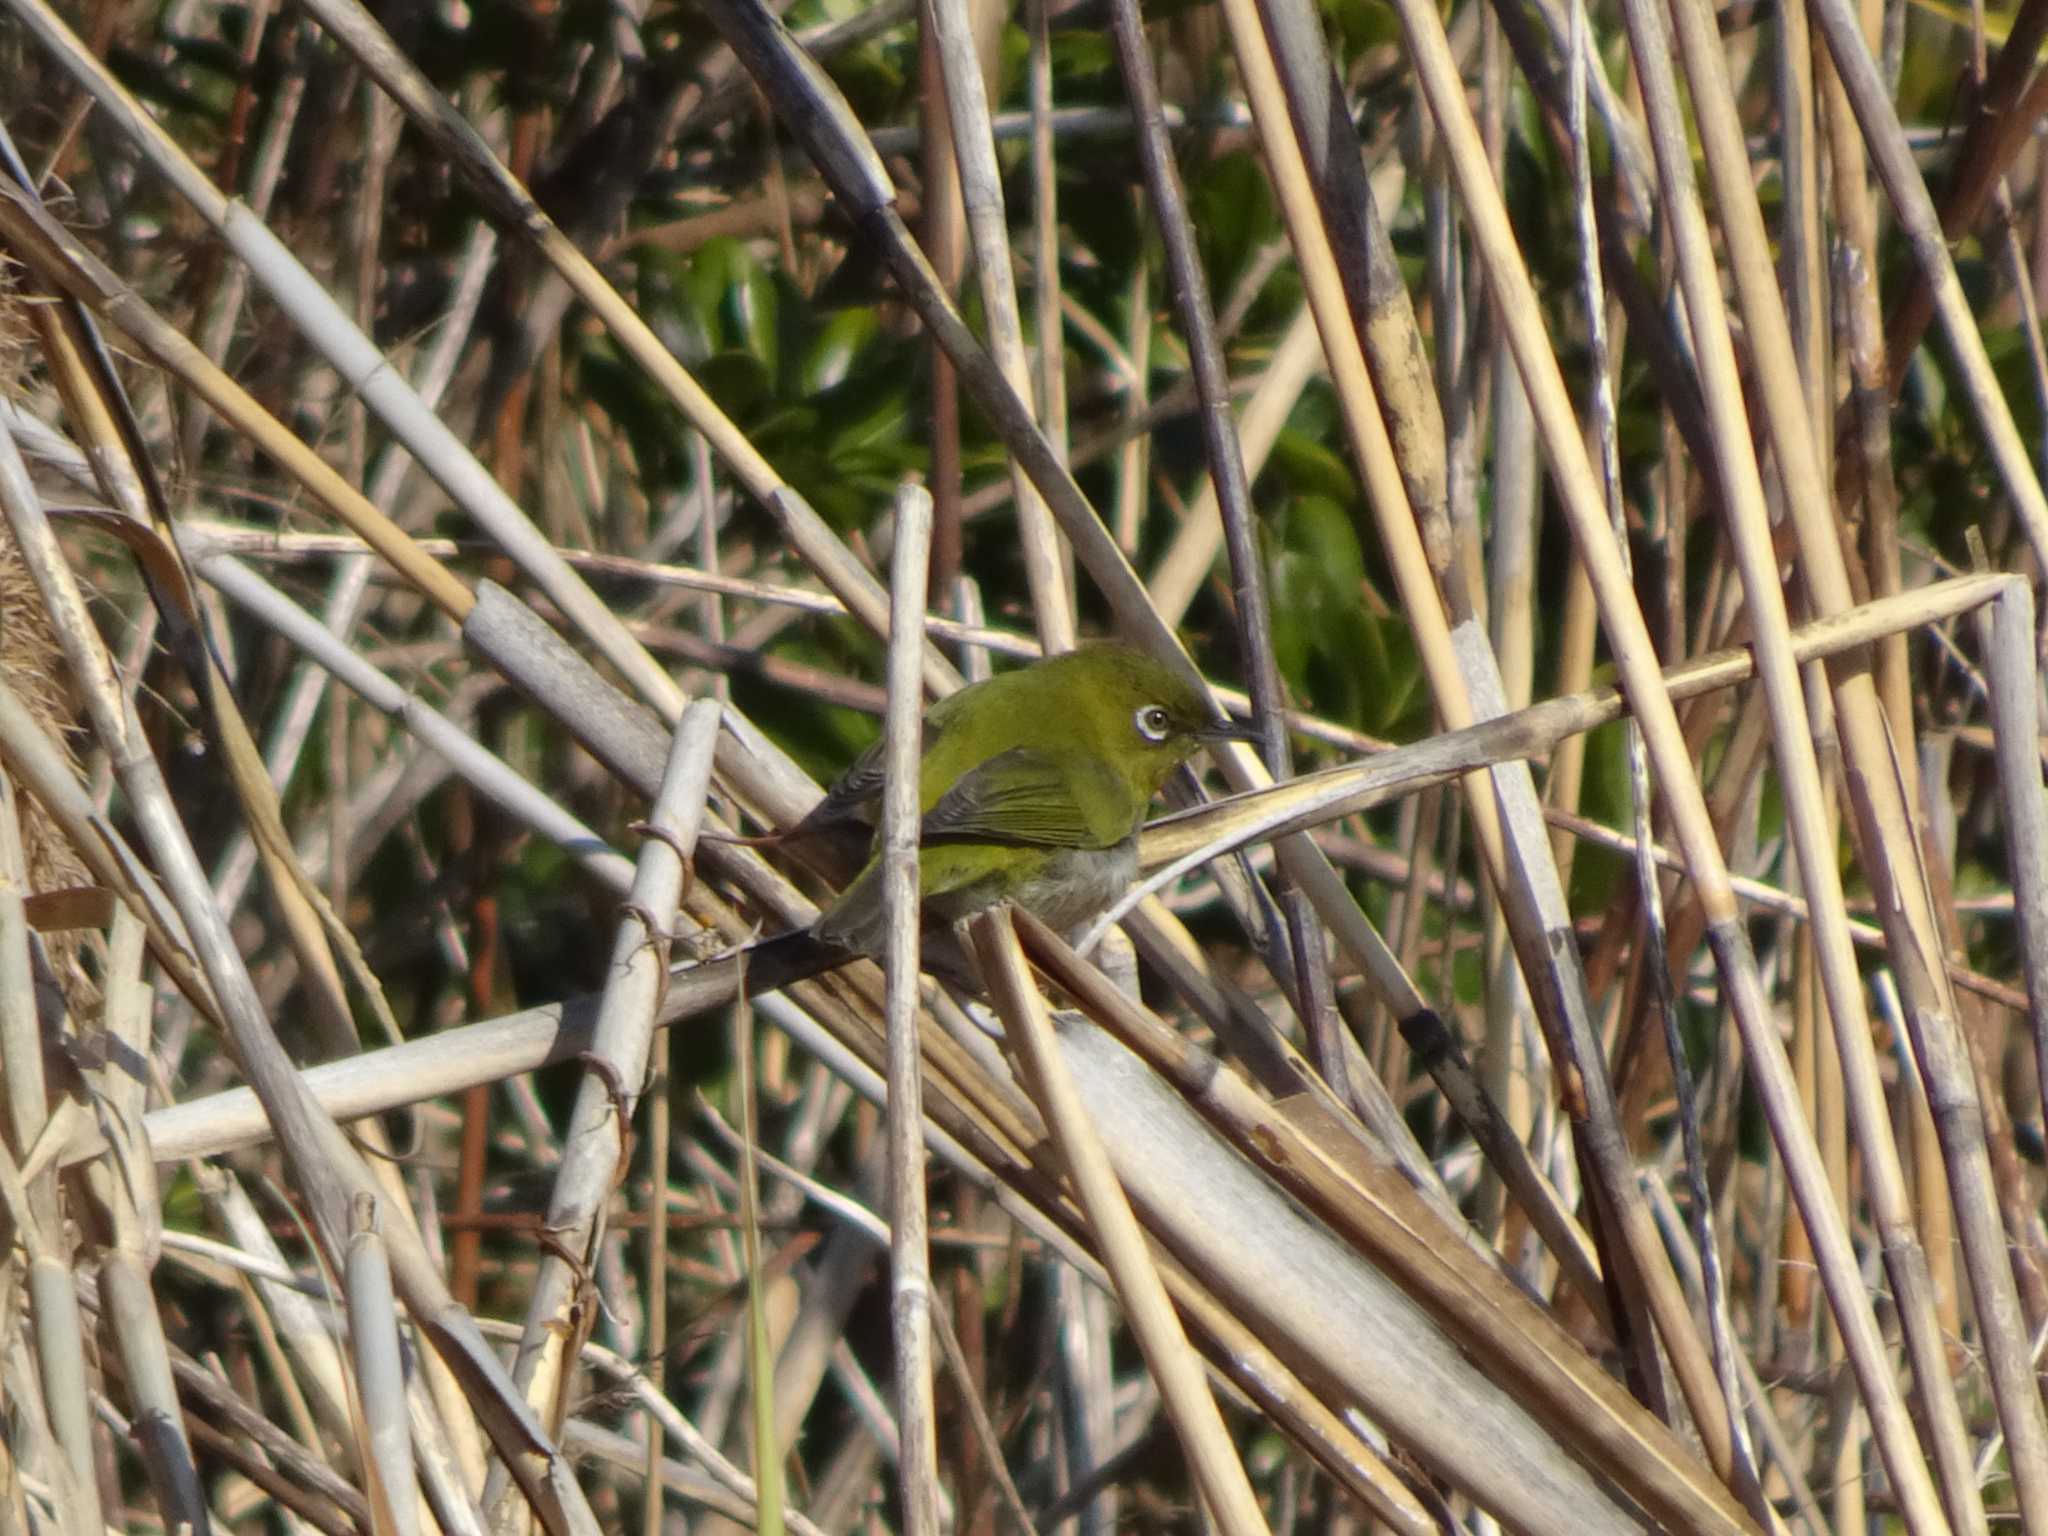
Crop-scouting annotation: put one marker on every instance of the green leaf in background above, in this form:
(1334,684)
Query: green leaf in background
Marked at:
(1232,207)
(1361,24)
(1337,657)
(829,359)
(1597,872)
(1079,56)
(154,82)
(1313,468)
(734,298)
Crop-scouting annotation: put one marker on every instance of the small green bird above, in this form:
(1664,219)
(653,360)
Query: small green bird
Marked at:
(1033,785)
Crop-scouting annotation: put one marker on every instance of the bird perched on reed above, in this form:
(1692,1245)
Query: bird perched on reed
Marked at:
(1033,785)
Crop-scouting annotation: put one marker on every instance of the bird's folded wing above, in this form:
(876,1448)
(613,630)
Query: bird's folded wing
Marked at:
(1030,797)
(851,793)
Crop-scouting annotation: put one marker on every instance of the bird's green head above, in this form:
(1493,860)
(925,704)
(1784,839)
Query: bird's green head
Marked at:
(1120,705)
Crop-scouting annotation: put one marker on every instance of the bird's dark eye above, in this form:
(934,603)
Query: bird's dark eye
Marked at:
(1153,723)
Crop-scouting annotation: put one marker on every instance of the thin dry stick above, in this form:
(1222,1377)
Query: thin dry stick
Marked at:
(384,1440)
(266,170)
(757,1351)
(2015,706)
(1133,458)
(1804,262)
(1377,296)
(1654,938)
(1212,1458)
(1856,268)
(910,1276)
(1048,299)
(660,1116)
(1179,573)
(940,227)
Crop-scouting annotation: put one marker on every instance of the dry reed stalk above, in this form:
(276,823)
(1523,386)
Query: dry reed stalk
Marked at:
(124,1187)
(942,229)
(384,1442)
(1890,849)
(1212,1458)
(1179,574)
(1230,485)
(910,1279)
(1798,766)
(621,1048)
(981,193)
(1886,143)
(33,1210)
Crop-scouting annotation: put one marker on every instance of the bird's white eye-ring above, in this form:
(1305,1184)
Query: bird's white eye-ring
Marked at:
(1153,723)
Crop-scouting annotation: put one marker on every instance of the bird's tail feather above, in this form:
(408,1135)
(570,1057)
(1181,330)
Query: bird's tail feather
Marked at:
(768,964)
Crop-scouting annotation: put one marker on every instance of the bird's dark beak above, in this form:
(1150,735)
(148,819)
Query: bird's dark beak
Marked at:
(1228,730)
